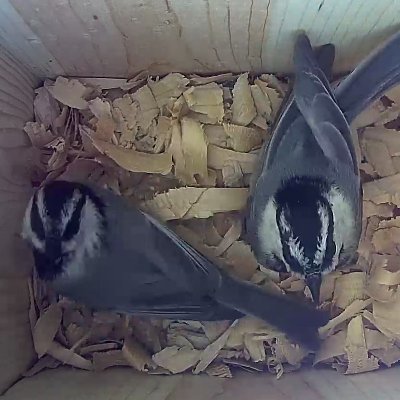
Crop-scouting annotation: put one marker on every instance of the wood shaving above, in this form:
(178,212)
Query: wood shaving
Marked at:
(46,328)
(349,287)
(356,349)
(206,99)
(136,355)
(242,138)
(71,92)
(177,359)
(190,202)
(218,157)
(244,110)
(194,148)
(183,148)
(38,134)
(105,125)
(133,160)
(171,86)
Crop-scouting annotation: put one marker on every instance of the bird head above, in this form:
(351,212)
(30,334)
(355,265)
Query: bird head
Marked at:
(63,220)
(305,221)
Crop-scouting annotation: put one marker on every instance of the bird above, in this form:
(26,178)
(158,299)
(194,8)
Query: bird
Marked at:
(305,207)
(92,246)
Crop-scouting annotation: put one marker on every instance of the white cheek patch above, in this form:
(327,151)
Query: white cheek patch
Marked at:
(344,222)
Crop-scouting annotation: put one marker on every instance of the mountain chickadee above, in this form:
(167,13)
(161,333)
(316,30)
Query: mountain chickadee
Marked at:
(95,248)
(305,208)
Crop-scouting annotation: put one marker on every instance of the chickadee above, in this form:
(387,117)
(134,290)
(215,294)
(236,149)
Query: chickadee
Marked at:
(305,208)
(95,248)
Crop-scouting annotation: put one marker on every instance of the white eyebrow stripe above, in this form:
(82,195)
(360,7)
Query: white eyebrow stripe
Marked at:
(69,208)
(322,238)
(41,208)
(296,250)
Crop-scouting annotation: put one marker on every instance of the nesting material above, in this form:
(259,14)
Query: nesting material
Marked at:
(182,148)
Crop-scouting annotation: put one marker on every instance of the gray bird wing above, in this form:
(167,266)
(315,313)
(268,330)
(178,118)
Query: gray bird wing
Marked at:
(287,114)
(318,106)
(158,273)
(375,75)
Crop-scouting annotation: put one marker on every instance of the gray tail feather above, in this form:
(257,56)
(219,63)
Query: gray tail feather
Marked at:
(304,60)
(325,56)
(375,75)
(299,321)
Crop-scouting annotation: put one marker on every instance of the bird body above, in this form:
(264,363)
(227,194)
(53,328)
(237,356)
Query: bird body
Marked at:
(305,208)
(120,259)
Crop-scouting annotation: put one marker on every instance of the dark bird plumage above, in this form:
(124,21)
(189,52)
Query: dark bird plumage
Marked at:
(306,198)
(111,256)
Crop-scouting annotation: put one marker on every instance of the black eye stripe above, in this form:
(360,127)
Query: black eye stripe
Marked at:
(73,224)
(36,220)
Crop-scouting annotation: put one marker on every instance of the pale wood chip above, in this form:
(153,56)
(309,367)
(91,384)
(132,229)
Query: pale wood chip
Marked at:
(356,349)
(187,202)
(244,110)
(70,92)
(177,359)
(46,328)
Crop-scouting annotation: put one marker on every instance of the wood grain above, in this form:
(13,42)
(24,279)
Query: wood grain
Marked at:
(118,384)
(117,38)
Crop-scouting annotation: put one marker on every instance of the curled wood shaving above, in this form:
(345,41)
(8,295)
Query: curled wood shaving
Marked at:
(387,356)
(356,349)
(136,355)
(133,160)
(232,174)
(242,138)
(203,80)
(195,132)
(354,308)
(171,86)
(194,148)
(68,357)
(148,108)
(218,157)
(331,347)
(105,124)
(186,203)
(46,108)
(384,190)
(206,99)
(212,350)
(107,359)
(70,92)
(216,135)
(287,352)
(46,328)
(244,110)
(219,370)
(349,287)
(271,95)
(177,359)
(39,136)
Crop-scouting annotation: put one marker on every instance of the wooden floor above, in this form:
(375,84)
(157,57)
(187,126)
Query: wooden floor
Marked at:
(124,384)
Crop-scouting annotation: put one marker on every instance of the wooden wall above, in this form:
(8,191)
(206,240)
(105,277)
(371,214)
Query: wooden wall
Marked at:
(117,38)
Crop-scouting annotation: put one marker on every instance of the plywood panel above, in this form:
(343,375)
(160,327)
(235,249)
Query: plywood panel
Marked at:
(17,37)
(117,38)
(123,384)
(16,107)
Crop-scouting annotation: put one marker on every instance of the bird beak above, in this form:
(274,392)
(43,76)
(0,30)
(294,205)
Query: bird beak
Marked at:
(314,284)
